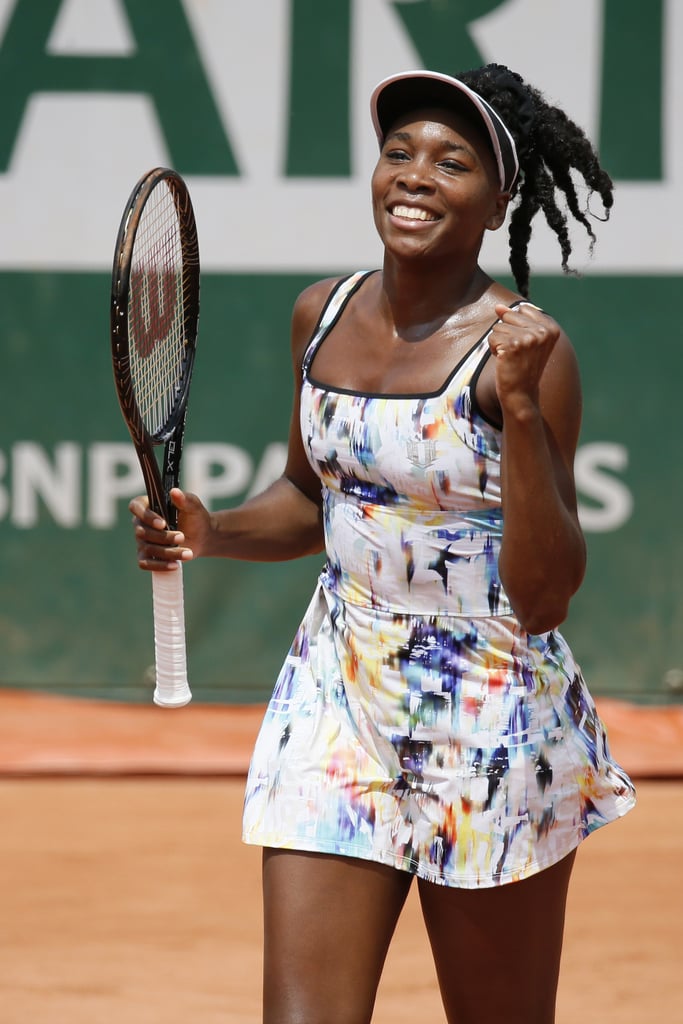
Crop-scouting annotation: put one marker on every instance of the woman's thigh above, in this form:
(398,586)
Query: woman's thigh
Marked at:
(497,951)
(328,922)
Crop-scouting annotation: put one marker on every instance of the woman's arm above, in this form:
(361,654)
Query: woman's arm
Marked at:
(282,522)
(543,556)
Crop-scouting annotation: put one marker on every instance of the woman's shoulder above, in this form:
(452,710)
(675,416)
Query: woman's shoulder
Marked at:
(312,300)
(499,294)
(306,313)
(309,307)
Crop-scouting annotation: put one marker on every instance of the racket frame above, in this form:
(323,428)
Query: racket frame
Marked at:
(158,483)
(172,689)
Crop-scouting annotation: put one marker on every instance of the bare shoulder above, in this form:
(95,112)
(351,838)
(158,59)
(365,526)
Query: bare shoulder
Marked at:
(562,368)
(306,313)
(560,395)
(559,383)
(563,364)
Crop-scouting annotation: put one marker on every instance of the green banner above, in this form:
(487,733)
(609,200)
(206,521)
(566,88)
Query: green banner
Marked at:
(75,612)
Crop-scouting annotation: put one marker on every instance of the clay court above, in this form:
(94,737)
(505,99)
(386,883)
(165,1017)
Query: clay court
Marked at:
(128,896)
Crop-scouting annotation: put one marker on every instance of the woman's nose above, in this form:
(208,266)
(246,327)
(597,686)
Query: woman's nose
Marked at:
(415,176)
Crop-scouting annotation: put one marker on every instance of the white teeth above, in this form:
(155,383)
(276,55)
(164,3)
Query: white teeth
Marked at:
(412,213)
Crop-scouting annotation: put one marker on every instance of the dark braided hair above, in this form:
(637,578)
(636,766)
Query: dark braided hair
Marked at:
(549,146)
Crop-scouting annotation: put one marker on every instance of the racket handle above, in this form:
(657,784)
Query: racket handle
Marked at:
(172,689)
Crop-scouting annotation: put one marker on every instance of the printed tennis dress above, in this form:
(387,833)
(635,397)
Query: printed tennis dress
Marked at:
(414,722)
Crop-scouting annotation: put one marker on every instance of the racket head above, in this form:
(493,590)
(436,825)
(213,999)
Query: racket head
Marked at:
(154,321)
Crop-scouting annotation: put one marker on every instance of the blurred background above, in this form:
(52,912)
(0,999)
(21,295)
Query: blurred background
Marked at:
(263,108)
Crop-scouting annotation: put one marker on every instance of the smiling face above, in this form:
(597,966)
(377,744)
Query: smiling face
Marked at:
(435,188)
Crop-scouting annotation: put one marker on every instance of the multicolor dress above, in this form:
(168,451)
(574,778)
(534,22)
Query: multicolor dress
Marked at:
(414,722)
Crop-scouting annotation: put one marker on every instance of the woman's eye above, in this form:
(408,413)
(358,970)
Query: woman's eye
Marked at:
(396,154)
(451,165)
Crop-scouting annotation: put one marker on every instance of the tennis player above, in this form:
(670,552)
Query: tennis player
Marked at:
(430,724)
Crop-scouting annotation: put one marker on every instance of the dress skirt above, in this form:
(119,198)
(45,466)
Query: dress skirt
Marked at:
(464,751)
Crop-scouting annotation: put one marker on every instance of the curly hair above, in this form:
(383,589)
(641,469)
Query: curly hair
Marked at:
(549,147)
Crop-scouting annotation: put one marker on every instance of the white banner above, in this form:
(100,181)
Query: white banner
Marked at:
(76,154)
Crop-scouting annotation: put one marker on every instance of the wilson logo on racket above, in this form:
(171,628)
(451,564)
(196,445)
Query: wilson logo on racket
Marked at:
(153,301)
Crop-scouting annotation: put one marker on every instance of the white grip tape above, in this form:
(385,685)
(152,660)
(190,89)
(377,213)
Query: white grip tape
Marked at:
(172,689)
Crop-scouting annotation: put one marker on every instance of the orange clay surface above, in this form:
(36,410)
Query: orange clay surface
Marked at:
(48,734)
(132,899)
(126,894)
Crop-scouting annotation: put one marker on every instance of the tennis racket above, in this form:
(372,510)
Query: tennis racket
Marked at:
(154,315)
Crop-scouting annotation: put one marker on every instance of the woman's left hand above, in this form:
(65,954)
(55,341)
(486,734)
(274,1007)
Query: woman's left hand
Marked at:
(522,342)
(536,377)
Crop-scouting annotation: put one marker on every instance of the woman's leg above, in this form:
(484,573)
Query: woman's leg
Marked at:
(497,951)
(328,922)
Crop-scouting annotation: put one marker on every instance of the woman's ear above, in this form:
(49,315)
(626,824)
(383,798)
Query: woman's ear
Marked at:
(500,209)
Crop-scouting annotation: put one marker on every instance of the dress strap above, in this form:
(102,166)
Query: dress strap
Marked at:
(332,310)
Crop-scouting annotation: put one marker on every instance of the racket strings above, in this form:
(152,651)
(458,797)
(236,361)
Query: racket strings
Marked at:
(156,312)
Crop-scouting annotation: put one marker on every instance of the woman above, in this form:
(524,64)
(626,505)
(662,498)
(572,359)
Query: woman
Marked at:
(429,720)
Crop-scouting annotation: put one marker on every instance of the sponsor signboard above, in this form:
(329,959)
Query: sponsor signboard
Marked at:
(263,108)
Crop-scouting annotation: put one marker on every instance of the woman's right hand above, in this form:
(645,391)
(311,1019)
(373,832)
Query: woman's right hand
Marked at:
(160,549)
